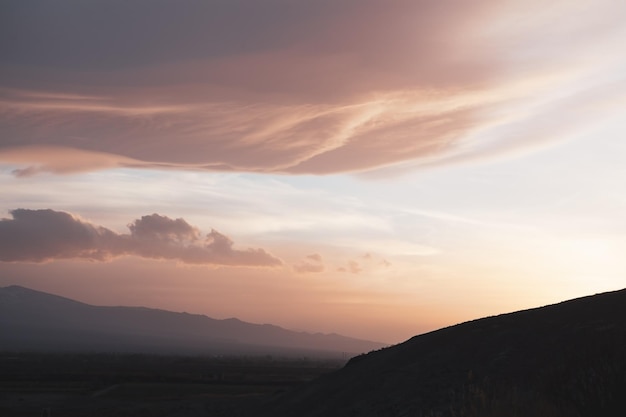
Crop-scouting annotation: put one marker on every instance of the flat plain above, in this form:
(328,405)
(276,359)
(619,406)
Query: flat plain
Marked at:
(107,385)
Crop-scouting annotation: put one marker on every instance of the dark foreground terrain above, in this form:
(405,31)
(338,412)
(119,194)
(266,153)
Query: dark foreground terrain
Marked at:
(563,360)
(107,385)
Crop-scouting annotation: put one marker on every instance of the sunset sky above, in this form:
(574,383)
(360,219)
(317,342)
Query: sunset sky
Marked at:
(375,168)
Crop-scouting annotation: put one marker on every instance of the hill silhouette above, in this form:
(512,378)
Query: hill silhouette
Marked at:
(36,321)
(567,359)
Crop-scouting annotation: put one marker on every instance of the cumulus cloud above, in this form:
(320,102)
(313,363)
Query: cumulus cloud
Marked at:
(42,235)
(312,264)
(162,228)
(366,262)
(295,87)
(353,267)
(315,257)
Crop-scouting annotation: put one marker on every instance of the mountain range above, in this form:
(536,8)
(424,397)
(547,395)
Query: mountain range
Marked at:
(561,360)
(36,321)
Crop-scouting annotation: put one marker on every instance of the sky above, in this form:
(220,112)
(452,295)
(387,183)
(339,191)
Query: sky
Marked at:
(377,169)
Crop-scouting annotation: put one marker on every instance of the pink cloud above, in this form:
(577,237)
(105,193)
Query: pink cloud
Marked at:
(312,264)
(354,267)
(315,257)
(43,235)
(367,262)
(59,160)
(317,87)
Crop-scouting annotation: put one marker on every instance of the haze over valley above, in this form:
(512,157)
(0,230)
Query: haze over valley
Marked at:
(33,321)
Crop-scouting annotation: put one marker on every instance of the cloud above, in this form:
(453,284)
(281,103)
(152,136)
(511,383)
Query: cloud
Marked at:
(366,262)
(59,160)
(312,264)
(42,235)
(354,267)
(162,228)
(315,257)
(374,260)
(296,87)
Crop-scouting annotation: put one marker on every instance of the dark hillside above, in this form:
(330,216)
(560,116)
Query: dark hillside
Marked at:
(567,359)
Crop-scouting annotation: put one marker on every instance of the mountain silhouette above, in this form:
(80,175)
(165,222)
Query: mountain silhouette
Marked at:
(567,359)
(36,321)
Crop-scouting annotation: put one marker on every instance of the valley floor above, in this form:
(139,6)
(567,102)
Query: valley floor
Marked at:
(99,385)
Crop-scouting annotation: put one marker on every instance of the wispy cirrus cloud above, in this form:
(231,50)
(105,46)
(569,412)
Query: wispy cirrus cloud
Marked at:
(298,87)
(35,160)
(43,235)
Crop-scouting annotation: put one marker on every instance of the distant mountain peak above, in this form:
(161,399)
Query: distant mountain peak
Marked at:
(35,320)
(16,289)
